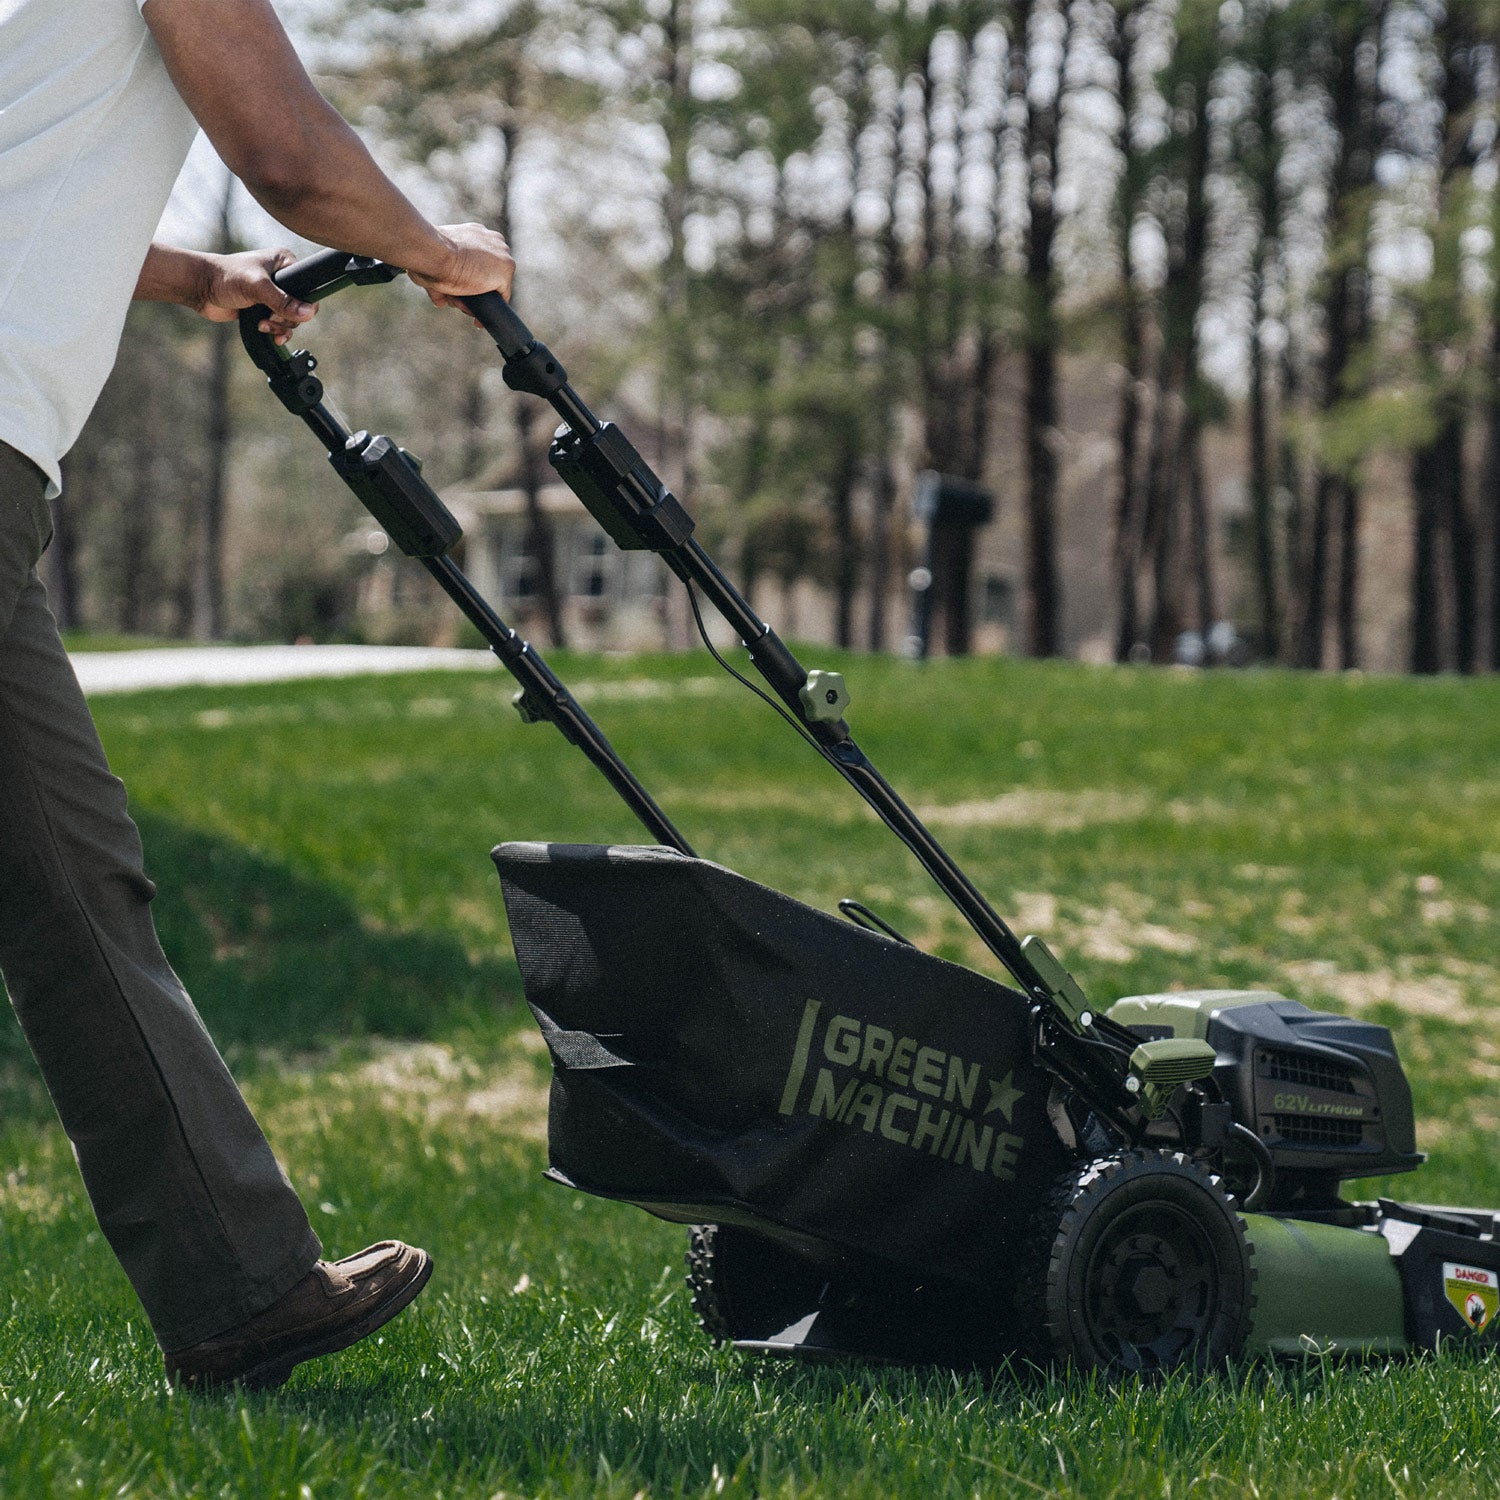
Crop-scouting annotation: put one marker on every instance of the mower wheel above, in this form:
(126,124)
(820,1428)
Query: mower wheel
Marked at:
(1138,1263)
(746,1286)
(703,1283)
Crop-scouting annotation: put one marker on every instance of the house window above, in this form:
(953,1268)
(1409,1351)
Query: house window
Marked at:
(595,563)
(518,570)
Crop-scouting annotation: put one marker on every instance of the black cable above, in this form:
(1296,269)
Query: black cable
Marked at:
(861,915)
(1095,1041)
(740,677)
(1265,1165)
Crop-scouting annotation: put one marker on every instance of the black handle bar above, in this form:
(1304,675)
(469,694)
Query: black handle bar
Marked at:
(328,271)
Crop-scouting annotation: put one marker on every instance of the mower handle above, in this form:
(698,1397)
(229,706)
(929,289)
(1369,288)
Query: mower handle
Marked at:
(328,271)
(636,509)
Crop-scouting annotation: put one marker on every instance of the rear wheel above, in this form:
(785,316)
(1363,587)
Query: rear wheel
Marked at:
(744,1285)
(751,1290)
(1138,1263)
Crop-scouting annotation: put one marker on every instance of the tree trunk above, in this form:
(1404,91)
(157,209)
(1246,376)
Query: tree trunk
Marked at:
(1042,132)
(1175,458)
(1189,466)
(1349,560)
(987,332)
(676,383)
(852,427)
(1127,541)
(1438,470)
(1289,469)
(1353,51)
(1265,260)
(1262,487)
(1313,625)
(1426,624)
(882,504)
(1491,495)
(1205,591)
(845,541)
(883,486)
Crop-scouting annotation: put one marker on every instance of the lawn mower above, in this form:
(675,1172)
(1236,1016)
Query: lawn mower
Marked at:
(881,1154)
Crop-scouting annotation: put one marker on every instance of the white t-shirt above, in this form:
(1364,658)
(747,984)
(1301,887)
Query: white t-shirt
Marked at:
(92,137)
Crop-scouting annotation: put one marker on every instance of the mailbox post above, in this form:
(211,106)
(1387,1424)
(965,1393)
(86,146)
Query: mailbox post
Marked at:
(951,511)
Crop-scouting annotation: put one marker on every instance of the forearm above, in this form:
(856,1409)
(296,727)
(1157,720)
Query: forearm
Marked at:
(325,186)
(237,72)
(173,275)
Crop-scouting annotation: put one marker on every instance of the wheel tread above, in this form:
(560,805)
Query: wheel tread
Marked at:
(1041,1301)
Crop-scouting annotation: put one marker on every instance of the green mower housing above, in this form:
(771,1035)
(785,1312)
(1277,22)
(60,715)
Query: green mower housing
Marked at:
(1325,1097)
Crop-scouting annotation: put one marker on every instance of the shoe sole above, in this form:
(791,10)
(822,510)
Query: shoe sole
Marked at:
(275,1371)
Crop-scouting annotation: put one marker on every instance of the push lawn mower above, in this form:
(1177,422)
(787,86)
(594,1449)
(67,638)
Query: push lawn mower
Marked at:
(880,1153)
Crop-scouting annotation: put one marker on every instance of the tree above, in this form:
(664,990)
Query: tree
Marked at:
(1346,46)
(1259,155)
(1041,97)
(1445,599)
(1174,491)
(1126,17)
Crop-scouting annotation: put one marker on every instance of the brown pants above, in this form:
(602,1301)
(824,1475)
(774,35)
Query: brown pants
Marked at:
(187,1192)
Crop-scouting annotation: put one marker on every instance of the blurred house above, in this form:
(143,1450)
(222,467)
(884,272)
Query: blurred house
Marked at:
(610,600)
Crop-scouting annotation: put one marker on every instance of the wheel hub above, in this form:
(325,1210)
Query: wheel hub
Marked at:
(1149,1285)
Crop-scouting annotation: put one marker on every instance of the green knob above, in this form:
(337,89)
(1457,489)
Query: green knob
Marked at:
(1159,1068)
(824,697)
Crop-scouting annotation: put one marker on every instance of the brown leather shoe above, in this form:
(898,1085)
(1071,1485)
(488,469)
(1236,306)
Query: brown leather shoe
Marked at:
(336,1304)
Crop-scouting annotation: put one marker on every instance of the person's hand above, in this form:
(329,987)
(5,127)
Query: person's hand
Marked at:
(234,282)
(481,262)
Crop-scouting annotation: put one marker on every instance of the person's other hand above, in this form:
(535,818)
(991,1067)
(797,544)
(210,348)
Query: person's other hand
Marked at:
(481,262)
(235,282)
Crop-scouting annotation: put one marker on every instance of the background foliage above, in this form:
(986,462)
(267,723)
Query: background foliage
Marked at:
(1207,292)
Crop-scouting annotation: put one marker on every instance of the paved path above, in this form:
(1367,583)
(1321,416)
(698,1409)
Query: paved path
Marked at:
(126,671)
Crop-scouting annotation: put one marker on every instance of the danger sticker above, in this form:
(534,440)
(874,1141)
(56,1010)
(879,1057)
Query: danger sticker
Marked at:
(1474,1292)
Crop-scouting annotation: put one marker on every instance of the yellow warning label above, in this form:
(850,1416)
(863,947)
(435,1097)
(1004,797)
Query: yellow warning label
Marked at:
(1474,1291)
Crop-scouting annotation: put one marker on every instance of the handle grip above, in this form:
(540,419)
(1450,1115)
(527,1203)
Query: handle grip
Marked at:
(327,271)
(498,319)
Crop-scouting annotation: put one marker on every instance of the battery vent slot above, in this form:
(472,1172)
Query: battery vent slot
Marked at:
(1308,1072)
(1305,1130)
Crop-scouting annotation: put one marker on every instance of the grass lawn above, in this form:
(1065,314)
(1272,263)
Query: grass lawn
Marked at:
(321,849)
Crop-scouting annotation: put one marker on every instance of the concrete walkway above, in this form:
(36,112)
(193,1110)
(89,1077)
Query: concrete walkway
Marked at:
(126,671)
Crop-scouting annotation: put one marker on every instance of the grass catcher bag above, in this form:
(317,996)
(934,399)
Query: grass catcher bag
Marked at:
(722,1052)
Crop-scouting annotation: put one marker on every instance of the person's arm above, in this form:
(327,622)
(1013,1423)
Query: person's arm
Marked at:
(218,286)
(236,70)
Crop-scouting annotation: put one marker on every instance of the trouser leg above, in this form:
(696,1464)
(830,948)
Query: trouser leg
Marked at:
(185,1187)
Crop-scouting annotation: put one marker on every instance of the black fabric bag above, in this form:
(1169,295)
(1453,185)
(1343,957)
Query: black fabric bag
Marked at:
(724,1053)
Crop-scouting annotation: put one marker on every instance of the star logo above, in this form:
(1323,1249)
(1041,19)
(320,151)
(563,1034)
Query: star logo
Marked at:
(1003,1096)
